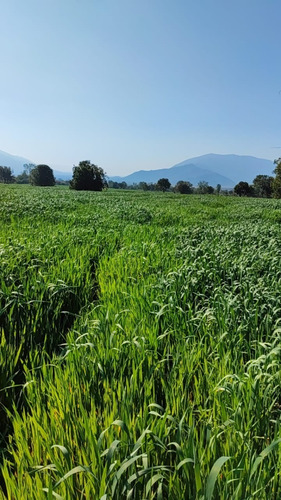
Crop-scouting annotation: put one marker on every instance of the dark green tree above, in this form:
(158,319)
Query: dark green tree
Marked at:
(6,175)
(184,187)
(218,188)
(163,184)
(276,183)
(243,189)
(263,186)
(42,175)
(88,177)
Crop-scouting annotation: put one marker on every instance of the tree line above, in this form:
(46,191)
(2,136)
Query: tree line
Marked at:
(90,177)
(163,184)
(264,186)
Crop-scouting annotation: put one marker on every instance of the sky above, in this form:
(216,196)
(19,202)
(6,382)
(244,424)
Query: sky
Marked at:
(139,84)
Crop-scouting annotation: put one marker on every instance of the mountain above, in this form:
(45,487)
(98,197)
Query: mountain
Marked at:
(62,176)
(226,170)
(236,167)
(16,164)
(190,173)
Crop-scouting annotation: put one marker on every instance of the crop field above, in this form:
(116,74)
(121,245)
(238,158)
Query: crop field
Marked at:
(140,345)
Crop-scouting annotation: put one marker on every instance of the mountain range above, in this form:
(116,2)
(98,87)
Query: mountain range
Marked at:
(16,164)
(226,170)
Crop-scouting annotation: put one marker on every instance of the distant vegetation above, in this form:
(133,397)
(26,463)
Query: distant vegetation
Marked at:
(140,345)
(276,183)
(89,177)
(6,175)
(263,186)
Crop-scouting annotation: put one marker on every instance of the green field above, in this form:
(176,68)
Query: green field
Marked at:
(140,345)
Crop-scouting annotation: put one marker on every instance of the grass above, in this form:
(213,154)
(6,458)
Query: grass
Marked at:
(140,352)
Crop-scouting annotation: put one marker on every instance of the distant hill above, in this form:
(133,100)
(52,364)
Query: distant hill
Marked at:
(16,164)
(190,173)
(235,167)
(62,176)
(226,170)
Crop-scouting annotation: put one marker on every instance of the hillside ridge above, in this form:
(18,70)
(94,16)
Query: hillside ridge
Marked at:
(226,170)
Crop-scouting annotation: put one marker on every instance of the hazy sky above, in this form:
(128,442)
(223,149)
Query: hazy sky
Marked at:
(139,84)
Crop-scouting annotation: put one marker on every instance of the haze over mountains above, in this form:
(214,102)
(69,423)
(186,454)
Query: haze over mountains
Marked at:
(16,164)
(226,170)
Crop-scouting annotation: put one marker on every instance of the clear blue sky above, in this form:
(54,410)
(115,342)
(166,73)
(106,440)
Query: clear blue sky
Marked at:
(139,84)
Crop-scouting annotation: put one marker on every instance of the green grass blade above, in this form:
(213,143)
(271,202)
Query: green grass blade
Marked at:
(211,481)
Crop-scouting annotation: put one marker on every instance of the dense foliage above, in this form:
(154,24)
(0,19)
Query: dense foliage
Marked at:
(204,188)
(140,345)
(163,184)
(183,187)
(6,175)
(42,175)
(88,177)
(243,189)
(276,184)
(263,186)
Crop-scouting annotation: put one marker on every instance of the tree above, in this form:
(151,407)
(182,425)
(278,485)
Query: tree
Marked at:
(183,187)
(163,184)
(6,175)
(243,189)
(143,185)
(262,185)
(42,175)
(276,183)
(218,188)
(117,185)
(204,188)
(27,167)
(22,178)
(88,177)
